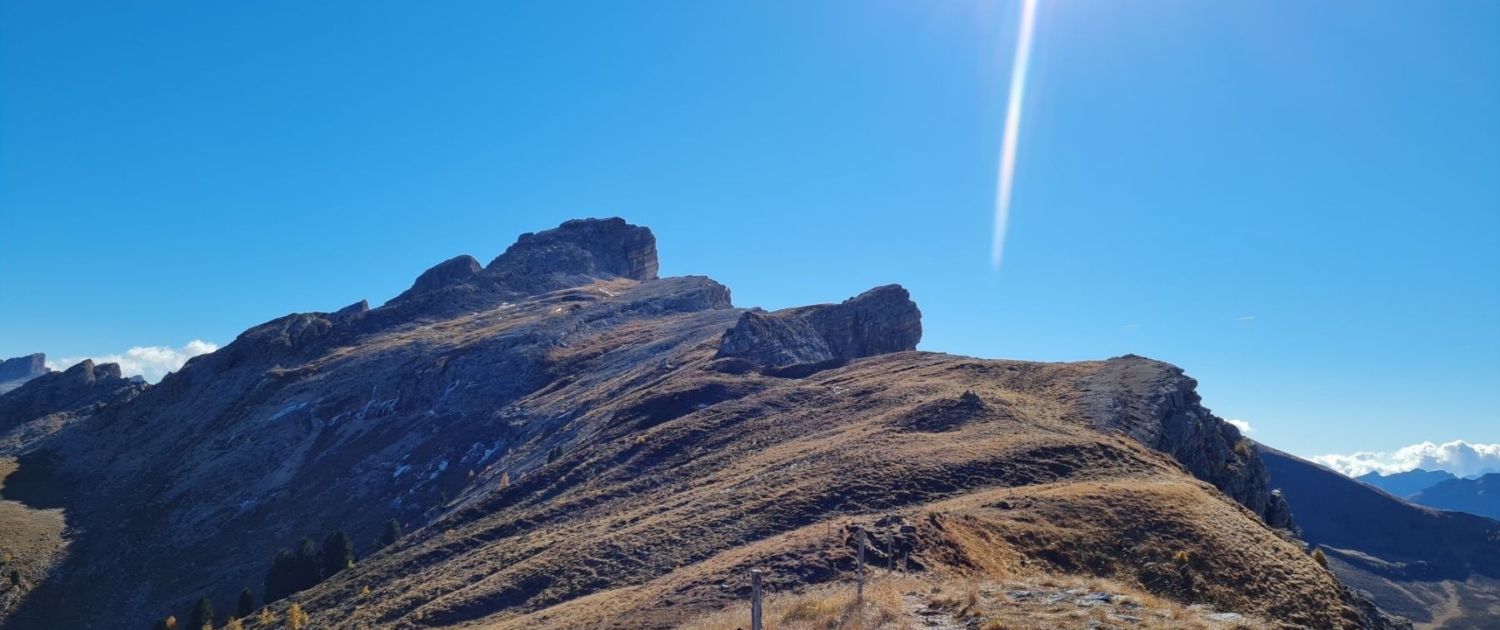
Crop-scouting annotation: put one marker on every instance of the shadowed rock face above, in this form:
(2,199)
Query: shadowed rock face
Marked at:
(879,321)
(78,387)
(578,249)
(14,372)
(447,273)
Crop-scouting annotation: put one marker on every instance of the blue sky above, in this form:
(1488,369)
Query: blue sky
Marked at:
(175,171)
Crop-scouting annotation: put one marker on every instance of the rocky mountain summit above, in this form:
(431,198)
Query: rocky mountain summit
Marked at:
(16,371)
(573,442)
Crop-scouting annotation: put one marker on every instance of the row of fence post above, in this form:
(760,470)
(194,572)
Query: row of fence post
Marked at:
(757,610)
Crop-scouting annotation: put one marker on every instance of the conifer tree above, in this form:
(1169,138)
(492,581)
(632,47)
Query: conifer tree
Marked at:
(246,606)
(203,615)
(338,553)
(391,534)
(309,567)
(281,577)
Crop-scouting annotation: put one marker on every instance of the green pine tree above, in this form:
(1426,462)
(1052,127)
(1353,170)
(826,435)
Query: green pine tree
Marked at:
(338,553)
(203,615)
(391,534)
(246,606)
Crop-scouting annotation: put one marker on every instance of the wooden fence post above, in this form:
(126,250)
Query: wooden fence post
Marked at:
(755,608)
(859,593)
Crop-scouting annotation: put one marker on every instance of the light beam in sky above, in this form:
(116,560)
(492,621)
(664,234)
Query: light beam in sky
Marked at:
(1006,177)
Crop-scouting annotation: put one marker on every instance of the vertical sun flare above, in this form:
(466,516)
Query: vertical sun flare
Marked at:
(1006,179)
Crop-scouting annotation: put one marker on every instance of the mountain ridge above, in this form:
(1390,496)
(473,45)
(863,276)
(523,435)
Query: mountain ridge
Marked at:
(563,424)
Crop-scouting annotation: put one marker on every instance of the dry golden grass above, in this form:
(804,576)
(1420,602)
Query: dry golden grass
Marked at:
(901,602)
(681,477)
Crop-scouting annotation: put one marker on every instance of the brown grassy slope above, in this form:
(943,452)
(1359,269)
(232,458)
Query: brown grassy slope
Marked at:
(680,487)
(31,537)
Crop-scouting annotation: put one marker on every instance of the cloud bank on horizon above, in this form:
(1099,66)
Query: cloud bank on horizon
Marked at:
(149,362)
(1458,457)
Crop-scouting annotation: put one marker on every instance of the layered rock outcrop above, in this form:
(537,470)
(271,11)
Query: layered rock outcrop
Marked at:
(1158,405)
(879,321)
(575,252)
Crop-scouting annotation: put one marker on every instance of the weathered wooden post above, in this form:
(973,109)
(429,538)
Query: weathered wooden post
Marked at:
(755,612)
(859,592)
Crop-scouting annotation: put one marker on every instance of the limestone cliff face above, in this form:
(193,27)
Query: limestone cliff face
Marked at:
(14,372)
(879,321)
(1158,405)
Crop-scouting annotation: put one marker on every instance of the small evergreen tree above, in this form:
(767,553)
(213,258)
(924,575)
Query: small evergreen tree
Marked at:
(246,606)
(266,618)
(1319,558)
(281,577)
(554,454)
(203,615)
(309,566)
(391,534)
(338,553)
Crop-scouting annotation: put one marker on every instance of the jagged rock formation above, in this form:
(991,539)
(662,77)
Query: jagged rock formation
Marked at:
(575,251)
(1158,405)
(357,307)
(14,372)
(574,442)
(879,321)
(76,388)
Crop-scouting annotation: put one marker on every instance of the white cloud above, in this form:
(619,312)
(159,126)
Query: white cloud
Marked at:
(151,362)
(1458,457)
(1243,426)
(1245,318)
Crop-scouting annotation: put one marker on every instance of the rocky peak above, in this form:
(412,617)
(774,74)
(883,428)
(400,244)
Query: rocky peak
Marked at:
(879,321)
(358,307)
(447,273)
(569,255)
(589,248)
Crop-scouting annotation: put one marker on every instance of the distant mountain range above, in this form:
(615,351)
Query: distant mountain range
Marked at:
(1405,484)
(1476,496)
(1438,568)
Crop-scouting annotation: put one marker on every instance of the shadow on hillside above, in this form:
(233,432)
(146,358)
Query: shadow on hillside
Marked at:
(32,484)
